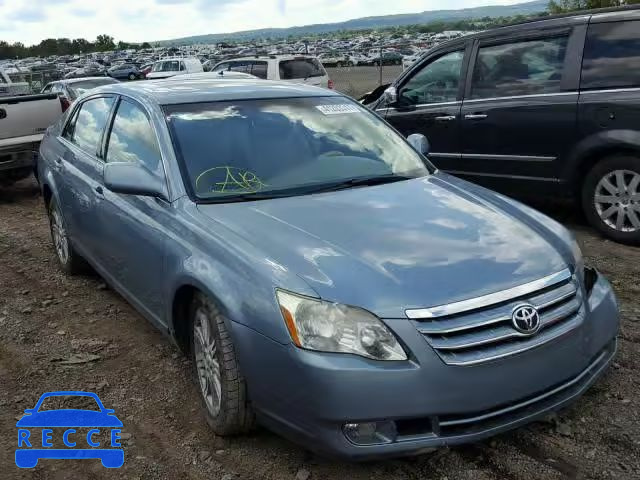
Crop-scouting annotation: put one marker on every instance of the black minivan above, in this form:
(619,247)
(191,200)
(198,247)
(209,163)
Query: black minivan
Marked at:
(548,107)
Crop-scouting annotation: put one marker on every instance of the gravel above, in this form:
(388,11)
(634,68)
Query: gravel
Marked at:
(108,347)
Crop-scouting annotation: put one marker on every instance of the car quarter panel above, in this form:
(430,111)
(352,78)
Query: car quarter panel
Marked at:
(608,123)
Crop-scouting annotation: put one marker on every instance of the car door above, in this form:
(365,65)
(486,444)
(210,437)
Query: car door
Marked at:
(80,168)
(429,102)
(519,110)
(132,249)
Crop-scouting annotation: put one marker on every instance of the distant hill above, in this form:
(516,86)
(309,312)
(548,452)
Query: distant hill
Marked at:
(527,8)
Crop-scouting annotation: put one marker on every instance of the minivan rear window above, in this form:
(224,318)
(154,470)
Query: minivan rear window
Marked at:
(301,68)
(612,56)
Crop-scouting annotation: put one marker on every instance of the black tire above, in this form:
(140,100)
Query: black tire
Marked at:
(132,76)
(339,65)
(350,64)
(628,202)
(234,415)
(71,263)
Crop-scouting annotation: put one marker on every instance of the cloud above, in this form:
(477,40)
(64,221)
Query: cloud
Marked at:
(83,12)
(28,14)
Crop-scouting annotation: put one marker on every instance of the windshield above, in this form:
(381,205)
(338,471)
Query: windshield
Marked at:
(285,146)
(301,68)
(78,88)
(169,66)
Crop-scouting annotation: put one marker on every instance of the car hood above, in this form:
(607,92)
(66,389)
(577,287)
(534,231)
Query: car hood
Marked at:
(69,418)
(386,248)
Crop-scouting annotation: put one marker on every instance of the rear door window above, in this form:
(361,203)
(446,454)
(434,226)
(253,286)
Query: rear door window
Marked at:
(612,56)
(90,122)
(520,68)
(301,68)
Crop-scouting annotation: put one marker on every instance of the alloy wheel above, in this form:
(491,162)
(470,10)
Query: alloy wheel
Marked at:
(617,200)
(59,234)
(207,365)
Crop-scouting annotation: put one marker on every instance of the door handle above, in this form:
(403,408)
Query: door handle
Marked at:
(445,118)
(99,190)
(476,116)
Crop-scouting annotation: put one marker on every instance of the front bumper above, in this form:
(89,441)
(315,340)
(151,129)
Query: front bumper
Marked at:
(308,396)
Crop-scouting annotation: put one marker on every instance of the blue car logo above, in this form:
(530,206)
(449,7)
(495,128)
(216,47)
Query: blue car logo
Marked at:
(32,447)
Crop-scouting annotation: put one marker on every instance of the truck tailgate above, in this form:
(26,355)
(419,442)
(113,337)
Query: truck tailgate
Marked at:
(27,115)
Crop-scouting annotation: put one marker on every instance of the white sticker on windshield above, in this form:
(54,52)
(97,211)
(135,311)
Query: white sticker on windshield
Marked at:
(338,109)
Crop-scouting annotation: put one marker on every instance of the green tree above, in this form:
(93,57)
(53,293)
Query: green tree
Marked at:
(104,43)
(562,6)
(145,45)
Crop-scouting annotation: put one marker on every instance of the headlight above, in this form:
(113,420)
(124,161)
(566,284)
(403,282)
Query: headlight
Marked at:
(329,327)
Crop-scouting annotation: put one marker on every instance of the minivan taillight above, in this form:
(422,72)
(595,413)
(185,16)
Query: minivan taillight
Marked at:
(64,102)
(331,85)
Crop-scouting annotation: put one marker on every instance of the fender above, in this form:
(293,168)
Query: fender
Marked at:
(598,144)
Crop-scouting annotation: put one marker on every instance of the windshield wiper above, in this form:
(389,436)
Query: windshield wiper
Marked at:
(363,181)
(306,190)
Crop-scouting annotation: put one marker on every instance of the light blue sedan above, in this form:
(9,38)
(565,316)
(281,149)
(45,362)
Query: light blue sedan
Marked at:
(326,279)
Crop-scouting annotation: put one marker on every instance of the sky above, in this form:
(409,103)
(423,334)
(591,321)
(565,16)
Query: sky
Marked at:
(30,21)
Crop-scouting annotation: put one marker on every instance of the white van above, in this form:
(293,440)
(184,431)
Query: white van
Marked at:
(170,67)
(291,68)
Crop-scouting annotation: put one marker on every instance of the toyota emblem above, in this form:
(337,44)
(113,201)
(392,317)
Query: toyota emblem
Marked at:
(526,319)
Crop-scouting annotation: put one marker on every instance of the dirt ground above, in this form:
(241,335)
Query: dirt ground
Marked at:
(47,319)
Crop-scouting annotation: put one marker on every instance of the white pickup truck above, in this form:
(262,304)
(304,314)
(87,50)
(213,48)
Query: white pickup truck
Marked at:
(23,122)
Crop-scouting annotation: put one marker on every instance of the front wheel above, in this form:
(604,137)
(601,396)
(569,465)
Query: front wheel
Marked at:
(70,262)
(132,76)
(223,389)
(611,198)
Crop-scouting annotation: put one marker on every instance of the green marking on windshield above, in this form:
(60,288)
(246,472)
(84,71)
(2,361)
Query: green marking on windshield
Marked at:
(228,180)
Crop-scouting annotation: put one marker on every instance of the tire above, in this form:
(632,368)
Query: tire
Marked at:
(229,411)
(339,65)
(350,64)
(132,76)
(615,181)
(69,260)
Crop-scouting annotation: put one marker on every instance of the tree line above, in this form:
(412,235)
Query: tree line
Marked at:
(65,46)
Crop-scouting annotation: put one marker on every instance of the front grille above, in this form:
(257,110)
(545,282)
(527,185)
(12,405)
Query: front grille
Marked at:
(487,333)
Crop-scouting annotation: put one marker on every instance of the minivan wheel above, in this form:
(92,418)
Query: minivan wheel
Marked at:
(69,260)
(223,390)
(611,198)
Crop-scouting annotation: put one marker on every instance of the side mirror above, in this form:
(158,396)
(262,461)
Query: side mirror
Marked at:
(29,411)
(391,95)
(419,143)
(133,179)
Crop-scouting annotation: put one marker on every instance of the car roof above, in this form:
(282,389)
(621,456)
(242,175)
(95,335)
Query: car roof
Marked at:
(269,57)
(216,75)
(550,21)
(174,90)
(68,81)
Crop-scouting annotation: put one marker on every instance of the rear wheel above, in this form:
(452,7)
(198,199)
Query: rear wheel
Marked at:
(611,198)
(223,389)
(70,262)
(132,76)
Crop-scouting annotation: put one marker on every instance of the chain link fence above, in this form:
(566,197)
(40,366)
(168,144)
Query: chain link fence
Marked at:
(359,71)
